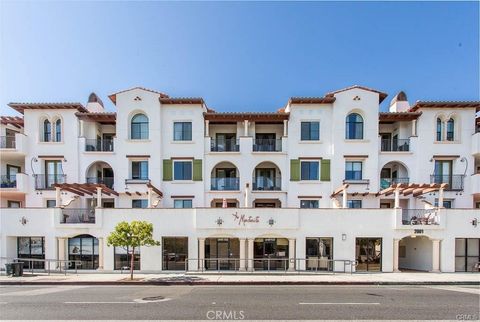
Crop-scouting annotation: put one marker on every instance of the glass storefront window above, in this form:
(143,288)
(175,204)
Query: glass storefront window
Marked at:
(31,247)
(270,253)
(83,248)
(122,258)
(319,251)
(467,254)
(369,254)
(175,253)
(222,253)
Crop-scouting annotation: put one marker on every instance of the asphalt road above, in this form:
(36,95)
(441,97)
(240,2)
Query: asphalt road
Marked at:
(239,302)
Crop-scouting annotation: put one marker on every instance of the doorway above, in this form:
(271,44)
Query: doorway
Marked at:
(270,254)
(368,252)
(222,253)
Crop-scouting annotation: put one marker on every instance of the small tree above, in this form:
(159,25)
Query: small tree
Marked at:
(130,236)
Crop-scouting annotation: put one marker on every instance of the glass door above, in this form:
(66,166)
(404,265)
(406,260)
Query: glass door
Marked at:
(265,179)
(369,254)
(53,172)
(443,171)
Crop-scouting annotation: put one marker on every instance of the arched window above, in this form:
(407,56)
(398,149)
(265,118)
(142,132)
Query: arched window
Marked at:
(354,127)
(47,131)
(450,130)
(439,129)
(58,130)
(139,127)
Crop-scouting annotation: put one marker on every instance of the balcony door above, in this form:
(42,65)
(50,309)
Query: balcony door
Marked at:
(53,172)
(226,142)
(443,171)
(265,178)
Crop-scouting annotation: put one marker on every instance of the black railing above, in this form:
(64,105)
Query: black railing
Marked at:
(387,182)
(77,216)
(8,181)
(267,145)
(267,183)
(108,181)
(224,145)
(45,181)
(7,142)
(395,145)
(225,184)
(420,217)
(99,145)
(454,181)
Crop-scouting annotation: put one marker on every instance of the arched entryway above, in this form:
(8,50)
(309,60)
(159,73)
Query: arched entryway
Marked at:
(83,248)
(100,172)
(225,177)
(267,177)
(392,173)
(416,253)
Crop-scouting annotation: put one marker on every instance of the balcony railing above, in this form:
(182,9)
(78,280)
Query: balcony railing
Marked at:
(8,181)
(420,217)
(387,182)
(222,184)
(45,181)
(7,142)
(267,183)
(267,145)
(454,181)
(395,145)
(77,216)
(226,145)
(108,181)
(99,145)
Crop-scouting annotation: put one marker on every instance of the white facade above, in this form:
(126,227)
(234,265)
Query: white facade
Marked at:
(199,158)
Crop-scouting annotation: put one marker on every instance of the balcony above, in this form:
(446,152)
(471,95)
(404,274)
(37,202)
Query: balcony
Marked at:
(225,184)
(8,181)
(45,181)
(77,216)
(398,145)
(387,182)
(415,217)
(267,183)
(7,142)
(99,145)
(108,181)
(226,145)
(267,145)
(455,181)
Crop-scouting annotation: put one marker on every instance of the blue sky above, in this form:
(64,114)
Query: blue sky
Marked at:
(238,56)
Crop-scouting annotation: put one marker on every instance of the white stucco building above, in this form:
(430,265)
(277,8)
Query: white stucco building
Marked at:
(321,181)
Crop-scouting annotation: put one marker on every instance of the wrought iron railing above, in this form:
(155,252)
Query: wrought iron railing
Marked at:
(46,181)
(387,182)
(267,183)
(77,216)
(7,142)
(420,217)
(99,145)
(108,181)
(225,184)
(8,181)
(267,145)
(395,145)
(225,145)
(454,181)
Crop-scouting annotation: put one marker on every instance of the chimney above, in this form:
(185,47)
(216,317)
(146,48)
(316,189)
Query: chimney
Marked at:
(399,103)
(95,104)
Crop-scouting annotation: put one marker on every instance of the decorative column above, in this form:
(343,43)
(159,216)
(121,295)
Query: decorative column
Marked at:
(150,198)
(207,128)
(285,127)
(82,128)
(414,127)
(99,197)
(440,197)
(245,128)
(436,255)
(242,254)
(58,197)
(250,254)
(201,253)
(291,254)
(344,199)
(397,198)
(100,253)
(61,252)
(396,245)
(247,185)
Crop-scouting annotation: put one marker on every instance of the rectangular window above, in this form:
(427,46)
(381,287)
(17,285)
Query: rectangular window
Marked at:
(140,170)
(319,253)
(53,173)
(51,203)
(14,204)
(467,254)
(139,203)
(310,131)
(308,203)
(354,203)
(182,131)
(175,253)
(122,258)
(446,203)
(182,170)
(353,170)
(182,203)
(309,170)
(368,254)
(31,247)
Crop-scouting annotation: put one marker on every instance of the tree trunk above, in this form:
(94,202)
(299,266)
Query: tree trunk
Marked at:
(131,263)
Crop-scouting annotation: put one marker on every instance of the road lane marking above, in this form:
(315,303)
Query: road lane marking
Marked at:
(100,302)
(340,303)
(42,291)
(456,289)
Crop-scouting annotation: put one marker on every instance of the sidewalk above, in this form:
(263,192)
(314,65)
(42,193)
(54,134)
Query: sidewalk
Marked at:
(407,278)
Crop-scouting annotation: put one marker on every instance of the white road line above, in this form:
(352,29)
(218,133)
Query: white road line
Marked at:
(339,303)
(456,289)
(42,291)
(100,302)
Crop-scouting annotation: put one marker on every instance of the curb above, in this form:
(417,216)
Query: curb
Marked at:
(205,283)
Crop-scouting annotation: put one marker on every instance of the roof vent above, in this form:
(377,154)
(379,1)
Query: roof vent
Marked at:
(94,104)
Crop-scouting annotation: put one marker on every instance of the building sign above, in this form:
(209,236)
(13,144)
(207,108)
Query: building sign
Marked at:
(243,219)
(418,231)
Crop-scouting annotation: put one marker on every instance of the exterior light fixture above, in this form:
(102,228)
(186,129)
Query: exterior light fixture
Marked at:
(344,237)
(271,222)
(219,221)
(474,222)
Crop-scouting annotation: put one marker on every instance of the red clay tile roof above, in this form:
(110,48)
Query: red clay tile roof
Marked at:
(100,117)
(445,104)
(113,97)
(250,116)
(381,94)
(312,100)
(182,100)
(16,121)
(398,116)
(21,107)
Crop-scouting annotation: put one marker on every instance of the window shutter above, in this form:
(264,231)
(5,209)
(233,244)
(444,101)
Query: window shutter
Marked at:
(167,170)
(325,170)
(197,170)
(294,170)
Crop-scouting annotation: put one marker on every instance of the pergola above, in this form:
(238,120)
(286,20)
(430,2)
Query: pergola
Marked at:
(151,190)
(82,189)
